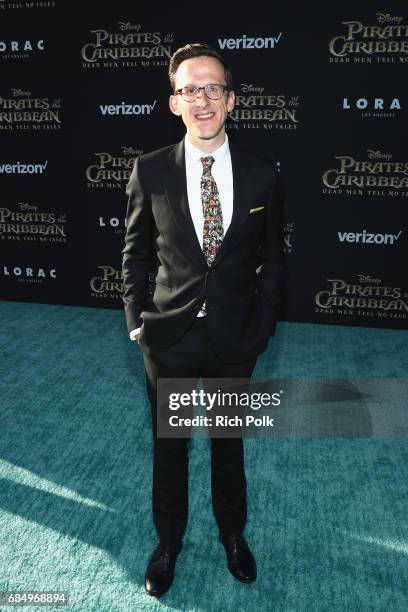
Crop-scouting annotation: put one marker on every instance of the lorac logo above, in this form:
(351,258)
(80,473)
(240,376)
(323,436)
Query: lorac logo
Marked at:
(129,46)
(373,104)
(365,297)
(20,49)
(256,109)
(373,107)
(112,171)
(367,177)
(363,43)
(113,224)
(28,274)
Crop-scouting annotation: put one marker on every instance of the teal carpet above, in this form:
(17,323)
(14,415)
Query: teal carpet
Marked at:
(327,517)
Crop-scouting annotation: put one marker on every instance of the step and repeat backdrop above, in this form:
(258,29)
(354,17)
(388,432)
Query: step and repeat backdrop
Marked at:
(84,91)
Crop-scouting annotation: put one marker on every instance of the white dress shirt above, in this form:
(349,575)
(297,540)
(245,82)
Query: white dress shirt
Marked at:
(222,173)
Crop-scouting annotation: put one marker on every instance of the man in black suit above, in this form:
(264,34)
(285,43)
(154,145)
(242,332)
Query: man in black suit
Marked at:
(207,218)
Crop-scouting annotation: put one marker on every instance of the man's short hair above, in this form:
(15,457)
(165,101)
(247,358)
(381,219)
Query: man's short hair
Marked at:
(195,50)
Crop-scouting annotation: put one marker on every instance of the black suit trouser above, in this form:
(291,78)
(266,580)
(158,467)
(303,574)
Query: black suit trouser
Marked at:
(192,356)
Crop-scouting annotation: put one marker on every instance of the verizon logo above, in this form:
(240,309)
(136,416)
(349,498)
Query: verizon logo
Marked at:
(246,42)
(19,168)
(367,238)
(127,109)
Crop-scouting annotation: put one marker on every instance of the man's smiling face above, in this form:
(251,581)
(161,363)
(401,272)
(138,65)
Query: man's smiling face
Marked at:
(203,118)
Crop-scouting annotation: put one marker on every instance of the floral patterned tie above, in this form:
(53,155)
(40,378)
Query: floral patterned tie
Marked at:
(213,226)
(213,232)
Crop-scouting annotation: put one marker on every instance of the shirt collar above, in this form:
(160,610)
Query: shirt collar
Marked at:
(194,154)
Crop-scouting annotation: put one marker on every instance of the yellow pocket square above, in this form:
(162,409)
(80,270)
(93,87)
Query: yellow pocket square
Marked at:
(253,210)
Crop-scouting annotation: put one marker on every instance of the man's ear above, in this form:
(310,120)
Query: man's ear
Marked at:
(173,103)
(230,101)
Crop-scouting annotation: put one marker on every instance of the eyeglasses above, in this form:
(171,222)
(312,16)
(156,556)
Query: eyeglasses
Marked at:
(214,91)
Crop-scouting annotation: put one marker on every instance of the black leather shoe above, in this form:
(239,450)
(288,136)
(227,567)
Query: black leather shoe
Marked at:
(160,570)
(241,562)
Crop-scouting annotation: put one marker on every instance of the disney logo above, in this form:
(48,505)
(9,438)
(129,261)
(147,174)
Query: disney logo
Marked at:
(365,278)
(378,155)
(128,26)
(131,151)
(246,88)
(20,92)
(24,206)
(386,17)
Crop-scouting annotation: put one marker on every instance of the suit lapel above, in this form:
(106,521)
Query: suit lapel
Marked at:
(241,182)
(176,193)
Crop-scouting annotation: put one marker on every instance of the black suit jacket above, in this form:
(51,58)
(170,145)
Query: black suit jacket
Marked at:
(242,287)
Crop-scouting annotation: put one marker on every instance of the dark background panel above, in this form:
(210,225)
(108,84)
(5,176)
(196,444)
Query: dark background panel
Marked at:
(292,100)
